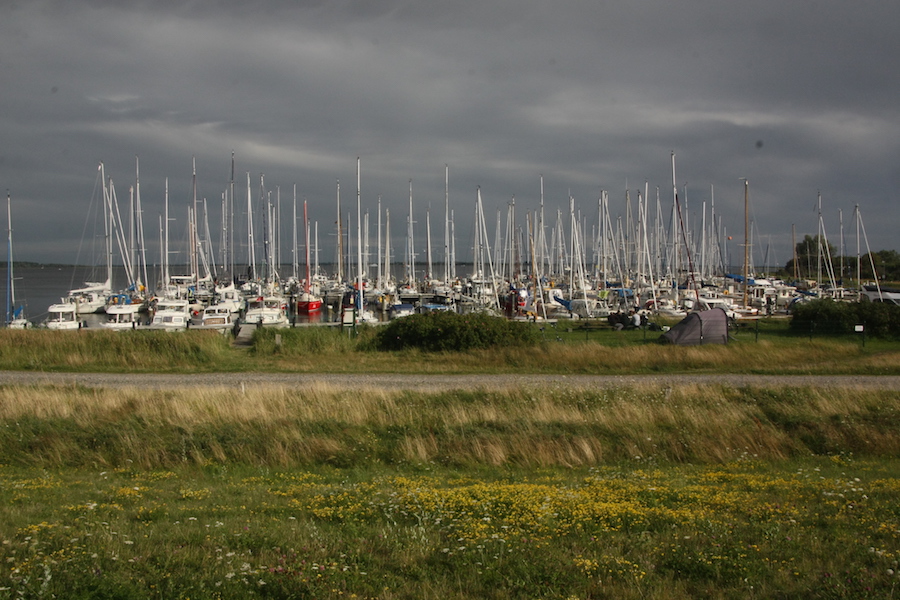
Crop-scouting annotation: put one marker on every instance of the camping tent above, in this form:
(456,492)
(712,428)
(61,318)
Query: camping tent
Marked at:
(700,327)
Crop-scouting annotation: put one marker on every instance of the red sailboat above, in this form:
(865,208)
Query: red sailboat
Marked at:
(307,302)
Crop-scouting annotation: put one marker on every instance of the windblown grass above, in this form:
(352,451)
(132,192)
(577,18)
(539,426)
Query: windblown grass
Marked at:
(71,426)
(103,350)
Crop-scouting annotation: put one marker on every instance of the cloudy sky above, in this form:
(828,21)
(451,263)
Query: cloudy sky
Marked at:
(798,97)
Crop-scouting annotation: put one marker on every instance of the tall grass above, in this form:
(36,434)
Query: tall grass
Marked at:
(72,426)
(114,350)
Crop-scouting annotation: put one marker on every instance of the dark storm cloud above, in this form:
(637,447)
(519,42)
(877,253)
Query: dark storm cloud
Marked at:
(797,97)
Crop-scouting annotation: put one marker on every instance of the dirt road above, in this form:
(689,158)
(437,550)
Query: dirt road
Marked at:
(436,382)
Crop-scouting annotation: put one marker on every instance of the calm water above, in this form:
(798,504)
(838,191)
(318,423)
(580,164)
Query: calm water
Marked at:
(37,288)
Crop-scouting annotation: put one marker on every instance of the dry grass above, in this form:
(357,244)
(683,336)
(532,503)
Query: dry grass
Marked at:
(543,427)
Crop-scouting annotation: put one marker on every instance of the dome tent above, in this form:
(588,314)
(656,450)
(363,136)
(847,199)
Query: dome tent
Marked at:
(700,327)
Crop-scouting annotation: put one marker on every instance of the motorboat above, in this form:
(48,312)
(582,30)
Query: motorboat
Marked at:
(218,317)
(122,316)
(267,311)
(62,316)
(171,314)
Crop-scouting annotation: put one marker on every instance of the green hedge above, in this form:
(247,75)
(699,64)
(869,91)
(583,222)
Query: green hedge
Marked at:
(827,316)
(451,332)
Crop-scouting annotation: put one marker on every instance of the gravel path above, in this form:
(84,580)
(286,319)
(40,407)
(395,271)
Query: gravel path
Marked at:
(437,382)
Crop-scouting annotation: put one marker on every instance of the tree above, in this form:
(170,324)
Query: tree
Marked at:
(808,252)
(887,265)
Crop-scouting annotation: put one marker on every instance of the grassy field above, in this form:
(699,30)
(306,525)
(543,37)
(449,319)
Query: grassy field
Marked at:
(565,348)
(692,491)
(686,491)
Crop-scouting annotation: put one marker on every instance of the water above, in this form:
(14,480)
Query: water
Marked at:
(39,287)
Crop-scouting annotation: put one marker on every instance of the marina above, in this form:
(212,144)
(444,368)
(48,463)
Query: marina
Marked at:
(534,267)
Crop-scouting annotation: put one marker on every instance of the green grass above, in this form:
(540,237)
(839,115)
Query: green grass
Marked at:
(634,492)
(766,347)
(814,528)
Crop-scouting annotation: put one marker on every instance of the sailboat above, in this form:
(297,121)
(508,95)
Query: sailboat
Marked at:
(307,302)
(15,317)
(92,297)
(354,312)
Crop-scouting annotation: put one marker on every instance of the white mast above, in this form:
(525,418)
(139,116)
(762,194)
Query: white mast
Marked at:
(410,243)
(306,228)
(379,277)
(359,259)
(10,285)
(251,247)
(447,257)
(165,256)
(387,245)
(430,274)
(294,258)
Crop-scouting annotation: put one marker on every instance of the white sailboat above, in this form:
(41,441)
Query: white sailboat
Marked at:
(92,297)
(356,313)
(15,317)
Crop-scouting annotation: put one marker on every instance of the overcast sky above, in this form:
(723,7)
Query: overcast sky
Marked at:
(798,97)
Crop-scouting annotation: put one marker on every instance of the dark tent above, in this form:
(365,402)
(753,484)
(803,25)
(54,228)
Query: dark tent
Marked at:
(701,327)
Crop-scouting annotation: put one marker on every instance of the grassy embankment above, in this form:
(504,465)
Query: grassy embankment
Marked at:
(565,348)
(693,491)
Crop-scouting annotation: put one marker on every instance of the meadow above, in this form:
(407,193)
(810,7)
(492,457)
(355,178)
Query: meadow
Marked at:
(639,491)
(633,492)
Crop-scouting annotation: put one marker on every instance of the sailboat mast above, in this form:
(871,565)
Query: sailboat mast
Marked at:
(9,262)
(387,245)
(139,224)
(359,259)
(340,237)
(107,218)
(411,274)
(305,228)
(379,278)
(251,250)
(428,243)
(294,257)
(447,257)
(166,236)
(195,230)
(746,243)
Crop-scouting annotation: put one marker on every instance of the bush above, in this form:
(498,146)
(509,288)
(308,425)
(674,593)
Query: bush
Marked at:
(827,316)
(448,331)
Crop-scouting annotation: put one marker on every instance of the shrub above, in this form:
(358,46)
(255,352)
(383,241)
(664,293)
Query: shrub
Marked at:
(448,331)
(828,316)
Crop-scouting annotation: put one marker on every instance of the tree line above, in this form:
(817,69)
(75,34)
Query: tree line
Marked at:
(813,254)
